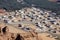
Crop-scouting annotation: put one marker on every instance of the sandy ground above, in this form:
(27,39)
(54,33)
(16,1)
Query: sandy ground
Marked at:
(29,35)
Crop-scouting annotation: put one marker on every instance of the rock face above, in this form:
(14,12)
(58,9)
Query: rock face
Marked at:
(6,33)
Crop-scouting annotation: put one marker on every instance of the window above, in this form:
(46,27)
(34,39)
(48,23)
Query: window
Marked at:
(54,31)
(52,22)
(19,25)
(48,18)
(5,21)
(28,28)
(10,17)
(57,24)
(44,22)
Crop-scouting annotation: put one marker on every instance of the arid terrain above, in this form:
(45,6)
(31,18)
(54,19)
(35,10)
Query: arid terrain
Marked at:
(29,24)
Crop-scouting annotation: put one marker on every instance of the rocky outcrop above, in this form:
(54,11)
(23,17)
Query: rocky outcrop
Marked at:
(6,34)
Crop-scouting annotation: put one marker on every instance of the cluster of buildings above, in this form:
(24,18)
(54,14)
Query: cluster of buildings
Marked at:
(42,20)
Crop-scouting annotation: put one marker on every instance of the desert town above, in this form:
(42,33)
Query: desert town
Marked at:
(29,24)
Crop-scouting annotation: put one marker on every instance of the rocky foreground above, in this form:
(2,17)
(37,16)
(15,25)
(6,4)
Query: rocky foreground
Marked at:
(29,24)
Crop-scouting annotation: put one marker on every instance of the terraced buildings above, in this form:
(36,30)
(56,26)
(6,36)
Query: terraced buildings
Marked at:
(37,22)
